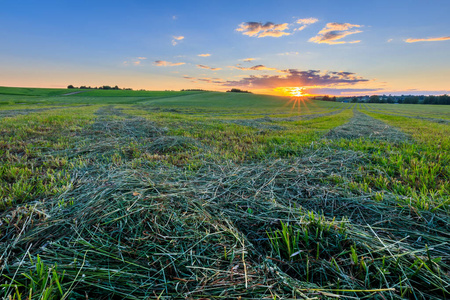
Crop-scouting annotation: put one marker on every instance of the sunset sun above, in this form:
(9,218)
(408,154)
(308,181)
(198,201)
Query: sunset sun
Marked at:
(292,91)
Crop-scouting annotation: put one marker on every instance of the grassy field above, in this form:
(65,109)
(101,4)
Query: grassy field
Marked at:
(206,195)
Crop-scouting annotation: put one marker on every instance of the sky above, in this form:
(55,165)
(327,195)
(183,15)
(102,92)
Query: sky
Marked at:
(317,47)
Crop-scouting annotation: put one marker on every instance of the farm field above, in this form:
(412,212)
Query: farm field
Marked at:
(194,195)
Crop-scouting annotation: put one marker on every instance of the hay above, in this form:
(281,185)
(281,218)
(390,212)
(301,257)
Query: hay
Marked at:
(134,233)
(363,126)
(265,122)
(400,114)
(149,230)
(166,144)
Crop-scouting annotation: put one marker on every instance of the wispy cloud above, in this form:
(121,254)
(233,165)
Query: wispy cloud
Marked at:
(177,39)
(207,80)
(297,78)
(208,68)
(260,30)
(211,80)
(305,22)
(250,59)
(138,61)
(135,61)
(255,68)
(433,39)
(163,63)
(289,53)
(204,55)
(332,33)
(341,91)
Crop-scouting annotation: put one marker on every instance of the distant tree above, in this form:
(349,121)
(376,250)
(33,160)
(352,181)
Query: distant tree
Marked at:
(411,100)
(70,86)
(443,100)
(354,100)
(374,99)
(238,91)
(429,100)
(333,99)
(326,98)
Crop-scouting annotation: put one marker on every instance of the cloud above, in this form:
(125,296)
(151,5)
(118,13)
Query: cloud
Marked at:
(305,22)
(248,59)
(259,30)
(436,39)
(204,55)
(138,60)
(340,91)
(210,80)
(176,39)
(289,53)
(207,80)
(163,63)
(297,78)
(208,68)
(135,61)
(332,33)
(255,68)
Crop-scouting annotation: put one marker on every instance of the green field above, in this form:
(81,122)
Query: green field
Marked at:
(190,195)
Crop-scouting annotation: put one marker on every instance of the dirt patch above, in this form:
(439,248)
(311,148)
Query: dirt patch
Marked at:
(364,126)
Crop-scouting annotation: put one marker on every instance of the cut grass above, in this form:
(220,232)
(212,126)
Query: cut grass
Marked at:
(171,200)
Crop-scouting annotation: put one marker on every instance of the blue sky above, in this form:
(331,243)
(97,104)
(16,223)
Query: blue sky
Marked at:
(323,47)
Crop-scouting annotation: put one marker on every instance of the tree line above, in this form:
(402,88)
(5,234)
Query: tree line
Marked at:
(410,99)
(103,87)
(238,91)
(403,99)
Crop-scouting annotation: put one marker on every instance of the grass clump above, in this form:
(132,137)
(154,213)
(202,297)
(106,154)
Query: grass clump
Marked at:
(353,258)
(40,282)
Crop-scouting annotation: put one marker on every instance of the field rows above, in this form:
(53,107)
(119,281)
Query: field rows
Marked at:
(223,196)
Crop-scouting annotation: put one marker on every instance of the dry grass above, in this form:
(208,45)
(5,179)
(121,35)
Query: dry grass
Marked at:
(131,225)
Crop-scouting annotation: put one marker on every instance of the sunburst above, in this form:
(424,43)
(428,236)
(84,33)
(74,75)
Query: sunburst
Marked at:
(298,96)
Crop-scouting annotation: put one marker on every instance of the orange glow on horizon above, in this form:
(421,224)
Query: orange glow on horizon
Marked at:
(292,91)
